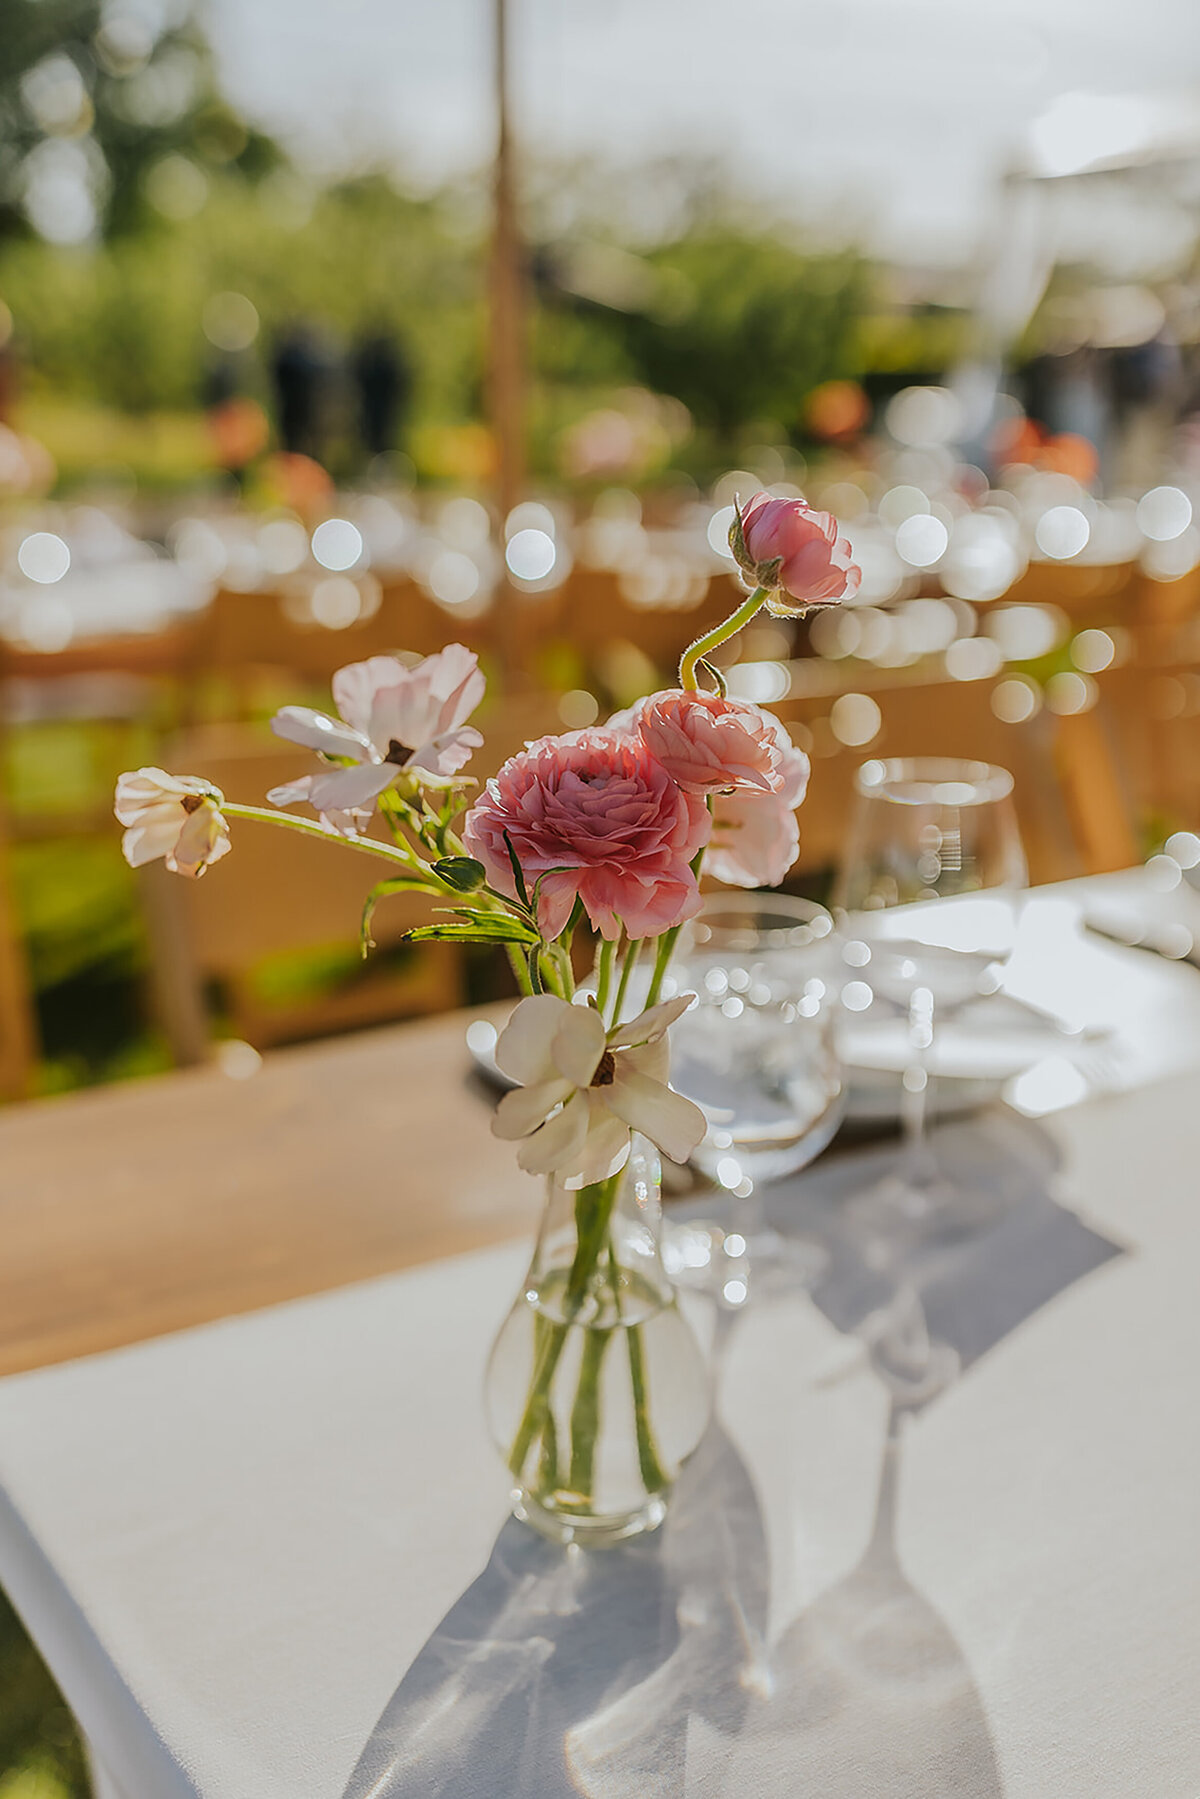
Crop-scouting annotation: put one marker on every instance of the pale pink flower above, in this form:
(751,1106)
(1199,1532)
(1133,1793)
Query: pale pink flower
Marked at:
(592,814)
(708,744)
(755,840)
(175,817)
(815,565)
(755,836)
(393,720)
(584,1090)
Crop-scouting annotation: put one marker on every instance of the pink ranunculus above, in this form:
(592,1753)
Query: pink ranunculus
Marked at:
(708,744)
(755,837)
(595,815)
(755,840)
(816,566)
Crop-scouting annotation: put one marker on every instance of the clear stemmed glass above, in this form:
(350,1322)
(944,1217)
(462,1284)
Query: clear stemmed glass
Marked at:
(927,900)
(758,1053)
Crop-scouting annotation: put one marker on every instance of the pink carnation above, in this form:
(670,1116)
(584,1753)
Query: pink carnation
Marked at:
(708,744)
(596,807)
(816,566)
(755,836)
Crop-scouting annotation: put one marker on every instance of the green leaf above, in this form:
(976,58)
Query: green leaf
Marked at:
(413,883)
(518,875)
(486,927)
(463,873)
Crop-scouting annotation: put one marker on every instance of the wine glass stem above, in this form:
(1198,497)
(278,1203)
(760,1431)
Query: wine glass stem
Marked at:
(917,1164)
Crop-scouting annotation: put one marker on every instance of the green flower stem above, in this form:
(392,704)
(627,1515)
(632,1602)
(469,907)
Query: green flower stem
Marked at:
(520,968)
(593,1209)
(695,652)
(604,969)
(537,1402)
(370,846)
(633,951)
(653,1478)
(666,945)
(585,1414)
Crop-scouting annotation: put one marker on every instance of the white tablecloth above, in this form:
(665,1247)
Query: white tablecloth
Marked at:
(268,1559)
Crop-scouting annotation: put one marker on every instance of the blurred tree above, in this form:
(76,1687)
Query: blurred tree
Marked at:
(739,326)
(106,122)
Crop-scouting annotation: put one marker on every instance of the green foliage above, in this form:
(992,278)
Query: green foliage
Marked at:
(747,328)
(76,72)
(40,1752)
(122,323)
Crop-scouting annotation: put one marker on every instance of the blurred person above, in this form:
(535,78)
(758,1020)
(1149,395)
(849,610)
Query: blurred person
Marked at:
(299,370)
(382,376)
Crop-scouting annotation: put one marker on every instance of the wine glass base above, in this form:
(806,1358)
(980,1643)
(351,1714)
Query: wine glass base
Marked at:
(904,1213)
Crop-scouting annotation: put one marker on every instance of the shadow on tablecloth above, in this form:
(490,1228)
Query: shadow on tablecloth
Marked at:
(644,1671)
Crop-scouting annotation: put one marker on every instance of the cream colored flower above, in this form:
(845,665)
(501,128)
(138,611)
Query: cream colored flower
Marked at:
(177,817)
(584,1090)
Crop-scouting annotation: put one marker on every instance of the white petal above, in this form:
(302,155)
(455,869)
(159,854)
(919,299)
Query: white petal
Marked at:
(578,1044)
(606,1148)
(652,1059)
(145,842)
(438,762)
(669,1120)
(150,787)
(649,1025)
(355,687)
(317,731)
(525,1108)
(345,789)
(291,791)
(559,1144)
(203,839)
(524,1045)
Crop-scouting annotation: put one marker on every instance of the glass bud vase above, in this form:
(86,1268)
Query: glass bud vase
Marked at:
(597,1390)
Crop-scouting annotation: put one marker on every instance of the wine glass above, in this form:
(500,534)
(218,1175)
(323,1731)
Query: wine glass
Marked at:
(757,1053)
(926,899)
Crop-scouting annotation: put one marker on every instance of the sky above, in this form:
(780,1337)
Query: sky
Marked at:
(886,121)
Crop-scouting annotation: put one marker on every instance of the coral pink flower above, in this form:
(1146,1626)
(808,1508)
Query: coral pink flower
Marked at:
(815,566)
(708,744)
(592,814)
(755,837)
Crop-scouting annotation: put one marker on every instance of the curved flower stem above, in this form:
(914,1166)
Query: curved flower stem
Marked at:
(695,652)
(370,846)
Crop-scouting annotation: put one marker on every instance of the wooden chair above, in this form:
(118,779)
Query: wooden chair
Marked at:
(1073,814)
(250,636)
(275,924)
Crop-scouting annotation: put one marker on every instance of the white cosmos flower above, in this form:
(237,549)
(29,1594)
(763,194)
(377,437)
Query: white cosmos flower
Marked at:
(584,1090)
(393,718)
(177,817)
